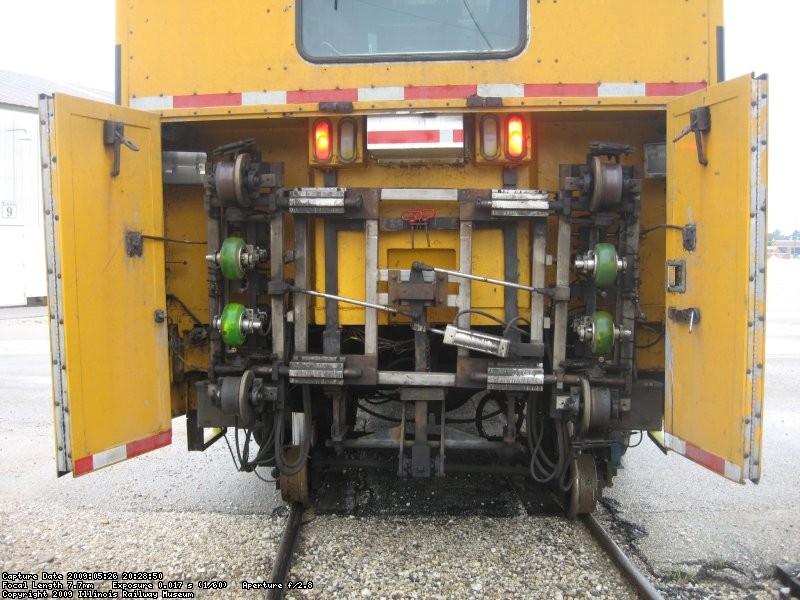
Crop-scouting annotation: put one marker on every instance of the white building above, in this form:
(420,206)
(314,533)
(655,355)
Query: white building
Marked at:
(22,264)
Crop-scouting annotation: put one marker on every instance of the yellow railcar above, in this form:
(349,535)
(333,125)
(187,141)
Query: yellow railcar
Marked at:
(343,226)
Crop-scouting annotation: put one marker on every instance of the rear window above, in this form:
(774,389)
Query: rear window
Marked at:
(370,30)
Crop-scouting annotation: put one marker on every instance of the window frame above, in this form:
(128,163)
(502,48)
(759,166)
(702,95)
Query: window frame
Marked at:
(413,56)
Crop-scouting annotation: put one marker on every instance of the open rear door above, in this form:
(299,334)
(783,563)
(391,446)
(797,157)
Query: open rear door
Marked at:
(716,277)
(105,283)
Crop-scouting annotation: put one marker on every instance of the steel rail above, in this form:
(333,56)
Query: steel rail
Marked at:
(646,589)
(283,559)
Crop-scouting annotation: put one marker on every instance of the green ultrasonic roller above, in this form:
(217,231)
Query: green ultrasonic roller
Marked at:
(600,332)
(235,257)
(603,338)
(230,258)
(236,322)
(602,263)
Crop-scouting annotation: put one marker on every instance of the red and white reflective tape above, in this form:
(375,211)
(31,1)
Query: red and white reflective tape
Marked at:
(703,457)
(415,131)
(90,463)
(424,92)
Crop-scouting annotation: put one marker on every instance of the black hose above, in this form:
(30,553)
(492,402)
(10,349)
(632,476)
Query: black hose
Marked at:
(378,415)
(544,469)
(499,399)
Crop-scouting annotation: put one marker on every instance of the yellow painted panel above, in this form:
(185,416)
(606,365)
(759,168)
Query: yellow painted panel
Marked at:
(714,374)
(185,219)
(115,353)
(170,50)
(187,302)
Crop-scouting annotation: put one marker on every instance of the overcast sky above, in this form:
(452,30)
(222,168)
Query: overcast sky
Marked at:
(37,39)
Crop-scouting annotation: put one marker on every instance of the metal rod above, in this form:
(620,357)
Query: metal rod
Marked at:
(277,303)
(641,583)
(388,309)
(517,286)
(371,293)
(416,378)
(301,279)
(283,558)
(159,238)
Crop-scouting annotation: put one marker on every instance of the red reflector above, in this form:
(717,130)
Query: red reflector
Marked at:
(322,140)
(515,137)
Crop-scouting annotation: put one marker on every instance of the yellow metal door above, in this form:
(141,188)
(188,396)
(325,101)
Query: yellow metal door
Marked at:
(716,277)
(108,336)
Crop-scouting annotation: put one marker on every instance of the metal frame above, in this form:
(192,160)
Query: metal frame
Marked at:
(54,293)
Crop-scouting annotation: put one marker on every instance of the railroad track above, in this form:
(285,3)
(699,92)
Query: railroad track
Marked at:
(283,559)
(631,572)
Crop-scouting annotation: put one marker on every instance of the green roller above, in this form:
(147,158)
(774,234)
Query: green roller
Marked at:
(230,258)
(605,271)
(603,333)
(230,324)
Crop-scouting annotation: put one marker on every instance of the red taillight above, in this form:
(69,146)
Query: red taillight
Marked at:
(515,137)
(322,140)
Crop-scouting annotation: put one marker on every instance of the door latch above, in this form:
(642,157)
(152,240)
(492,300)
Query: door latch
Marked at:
(114,135)
(700,123)
(686,315)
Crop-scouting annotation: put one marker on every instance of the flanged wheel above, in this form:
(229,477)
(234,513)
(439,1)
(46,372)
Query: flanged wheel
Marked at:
(230,258)
(585,488)
(246,413)
(294,488)
(608,182)
(240,181)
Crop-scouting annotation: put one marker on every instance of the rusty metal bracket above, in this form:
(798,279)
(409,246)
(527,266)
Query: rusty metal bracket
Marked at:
(699,123)
(690,237)
(690,316)
(134,243)
(402,292)
(114,135)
